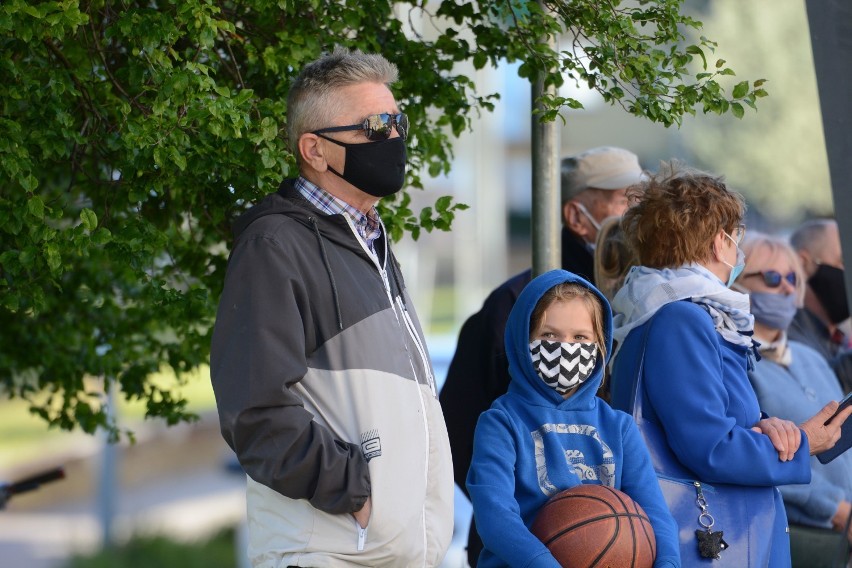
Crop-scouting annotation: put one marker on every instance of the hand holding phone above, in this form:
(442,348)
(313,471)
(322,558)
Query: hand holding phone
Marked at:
(845,441)
(847,400)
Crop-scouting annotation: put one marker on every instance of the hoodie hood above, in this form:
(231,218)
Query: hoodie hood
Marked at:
(286,201)
(525,380)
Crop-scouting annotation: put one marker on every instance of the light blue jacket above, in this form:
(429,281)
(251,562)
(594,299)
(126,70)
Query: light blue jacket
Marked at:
(796,393)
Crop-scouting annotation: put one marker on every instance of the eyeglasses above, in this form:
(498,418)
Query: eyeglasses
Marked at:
(376,127)
(772,278)
(738,233)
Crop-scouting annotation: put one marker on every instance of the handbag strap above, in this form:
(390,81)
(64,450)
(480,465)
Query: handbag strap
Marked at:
(637,394)
(665,462)
(710,544)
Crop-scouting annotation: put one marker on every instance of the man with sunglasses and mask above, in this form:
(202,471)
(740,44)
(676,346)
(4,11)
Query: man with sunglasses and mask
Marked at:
(323,382)
(594,183)
(823,322)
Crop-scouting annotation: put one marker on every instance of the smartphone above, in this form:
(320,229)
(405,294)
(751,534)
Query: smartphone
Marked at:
(847,400)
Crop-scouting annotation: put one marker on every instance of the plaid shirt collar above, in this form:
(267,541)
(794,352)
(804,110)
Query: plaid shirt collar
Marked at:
(368,226)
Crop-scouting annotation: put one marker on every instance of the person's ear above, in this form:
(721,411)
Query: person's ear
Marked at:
(573,219)
(808,264)
(312,152)
(719,246)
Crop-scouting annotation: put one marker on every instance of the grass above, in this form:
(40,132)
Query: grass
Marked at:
(162,552)
(26,437)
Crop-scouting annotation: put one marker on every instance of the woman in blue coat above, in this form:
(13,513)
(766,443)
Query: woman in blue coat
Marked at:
(696,335)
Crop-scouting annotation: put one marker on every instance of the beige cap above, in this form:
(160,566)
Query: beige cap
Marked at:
(605,167)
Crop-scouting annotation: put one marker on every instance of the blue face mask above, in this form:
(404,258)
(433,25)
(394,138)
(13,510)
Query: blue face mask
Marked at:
(773,310)
(736,269)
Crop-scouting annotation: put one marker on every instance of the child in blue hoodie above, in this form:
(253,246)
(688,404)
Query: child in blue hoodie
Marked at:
(550,431)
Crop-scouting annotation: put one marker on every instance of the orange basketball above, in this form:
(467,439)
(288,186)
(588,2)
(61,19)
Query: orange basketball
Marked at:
(596,526)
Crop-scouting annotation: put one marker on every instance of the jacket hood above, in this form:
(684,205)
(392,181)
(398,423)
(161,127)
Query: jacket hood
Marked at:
(284,201)
(525,379)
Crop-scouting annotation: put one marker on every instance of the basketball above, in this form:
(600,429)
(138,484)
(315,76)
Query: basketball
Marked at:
(596,526)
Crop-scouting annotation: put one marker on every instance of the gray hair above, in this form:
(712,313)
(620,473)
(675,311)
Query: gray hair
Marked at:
(313,95)
(811,235)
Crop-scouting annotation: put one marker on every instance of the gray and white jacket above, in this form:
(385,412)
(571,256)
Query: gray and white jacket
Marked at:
(326,393)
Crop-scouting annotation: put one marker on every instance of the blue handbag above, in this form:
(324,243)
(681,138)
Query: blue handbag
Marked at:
(718,525)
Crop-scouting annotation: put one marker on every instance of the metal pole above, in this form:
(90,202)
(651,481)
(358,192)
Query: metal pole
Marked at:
(830,23)
(107,488)
(546,216)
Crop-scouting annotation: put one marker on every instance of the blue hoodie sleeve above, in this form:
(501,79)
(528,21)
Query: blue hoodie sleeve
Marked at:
(697,397)
(491,485)
(639,481)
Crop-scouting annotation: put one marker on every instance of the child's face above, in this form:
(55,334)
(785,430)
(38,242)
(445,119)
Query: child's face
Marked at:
(566,322)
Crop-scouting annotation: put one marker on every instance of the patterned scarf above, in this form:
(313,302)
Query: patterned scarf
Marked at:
(646,290)
(563,366)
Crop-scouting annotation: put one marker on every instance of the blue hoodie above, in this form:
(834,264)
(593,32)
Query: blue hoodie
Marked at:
(532,444)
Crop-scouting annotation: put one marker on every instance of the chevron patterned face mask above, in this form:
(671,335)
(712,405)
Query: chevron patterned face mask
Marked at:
(563,366)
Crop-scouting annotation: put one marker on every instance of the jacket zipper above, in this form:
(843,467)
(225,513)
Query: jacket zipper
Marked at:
(362,536)
(409,324)
(686,482)
(362,533)
(412,331)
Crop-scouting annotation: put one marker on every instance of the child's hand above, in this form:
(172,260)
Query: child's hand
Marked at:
(785,436)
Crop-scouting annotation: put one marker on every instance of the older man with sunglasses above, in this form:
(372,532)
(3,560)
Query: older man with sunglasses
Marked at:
(322,379)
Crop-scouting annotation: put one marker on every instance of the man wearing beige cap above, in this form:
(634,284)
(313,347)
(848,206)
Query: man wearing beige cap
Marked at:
(594,184)
(593,188)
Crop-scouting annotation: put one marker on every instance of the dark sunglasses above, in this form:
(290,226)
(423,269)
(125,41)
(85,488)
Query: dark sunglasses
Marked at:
(773,278)
(376,127)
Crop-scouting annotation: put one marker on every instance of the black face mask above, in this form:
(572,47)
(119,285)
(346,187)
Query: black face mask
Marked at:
(828,285)
(376,168)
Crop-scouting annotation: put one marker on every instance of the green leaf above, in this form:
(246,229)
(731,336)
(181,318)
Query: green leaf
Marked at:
(35,206)
(740,90)
(54,258)
(737,110)
(89,219)
(29,183)
(101,236)
(695,50)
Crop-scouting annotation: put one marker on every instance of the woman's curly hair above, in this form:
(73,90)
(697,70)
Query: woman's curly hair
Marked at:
(676,213)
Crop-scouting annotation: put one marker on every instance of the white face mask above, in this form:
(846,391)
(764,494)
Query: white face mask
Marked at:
(563,366)
(588,215)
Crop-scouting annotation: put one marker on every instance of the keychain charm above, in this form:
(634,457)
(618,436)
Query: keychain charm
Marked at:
(710,543)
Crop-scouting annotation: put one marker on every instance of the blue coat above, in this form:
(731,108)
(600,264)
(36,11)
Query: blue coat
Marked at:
(696,387)
(520,446)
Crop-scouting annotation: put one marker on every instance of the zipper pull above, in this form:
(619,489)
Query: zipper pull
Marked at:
(362,537)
